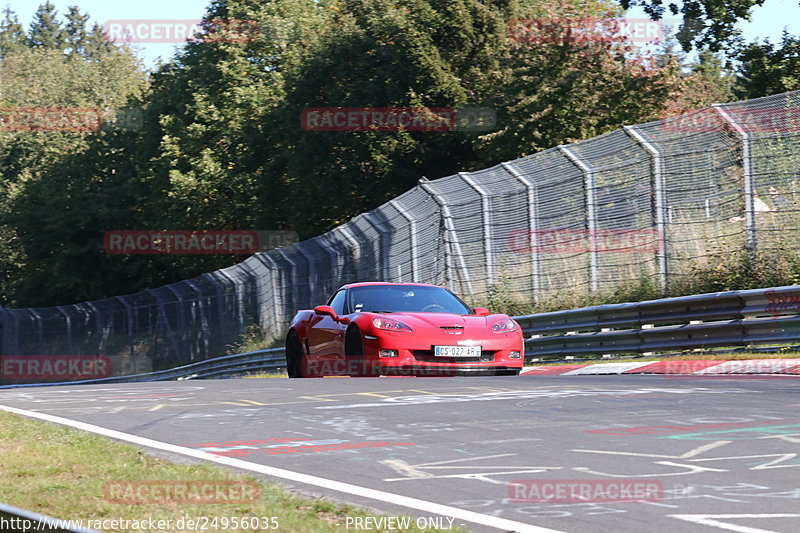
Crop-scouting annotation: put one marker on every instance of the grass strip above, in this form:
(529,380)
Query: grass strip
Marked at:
(65,473)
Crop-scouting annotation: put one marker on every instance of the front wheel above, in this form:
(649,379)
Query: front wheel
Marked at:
(294,356)
(354,353)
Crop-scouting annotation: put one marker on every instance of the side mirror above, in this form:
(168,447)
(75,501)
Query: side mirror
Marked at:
(481,311)
(326,310)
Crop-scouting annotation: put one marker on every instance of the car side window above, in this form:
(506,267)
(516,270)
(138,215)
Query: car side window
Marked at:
(337,302)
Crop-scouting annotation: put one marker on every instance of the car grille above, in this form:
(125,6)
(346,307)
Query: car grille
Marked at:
(428,357)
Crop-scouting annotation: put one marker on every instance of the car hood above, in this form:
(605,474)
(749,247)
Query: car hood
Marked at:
(438,320)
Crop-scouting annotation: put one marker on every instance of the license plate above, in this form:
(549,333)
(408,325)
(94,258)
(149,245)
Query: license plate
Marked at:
(457,351)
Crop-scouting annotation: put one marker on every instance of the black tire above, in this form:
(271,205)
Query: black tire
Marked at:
(294,356)
(354,352)
(353,343)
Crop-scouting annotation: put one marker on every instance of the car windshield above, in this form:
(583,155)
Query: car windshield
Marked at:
(405,299)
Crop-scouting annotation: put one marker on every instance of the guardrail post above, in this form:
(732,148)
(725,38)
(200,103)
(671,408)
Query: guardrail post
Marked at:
(749,188)
(413,231)
(533,227)
(487,225)
(447,218)
(591,216)
(660,203)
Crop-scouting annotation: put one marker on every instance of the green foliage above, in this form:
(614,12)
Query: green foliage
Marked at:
(220,144)
(707,24)
(768,68)
(12,35)
(52,220)
(45,30)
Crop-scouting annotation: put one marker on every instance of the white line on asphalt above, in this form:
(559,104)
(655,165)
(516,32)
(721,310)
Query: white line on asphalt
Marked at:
(709,520)
(387,497)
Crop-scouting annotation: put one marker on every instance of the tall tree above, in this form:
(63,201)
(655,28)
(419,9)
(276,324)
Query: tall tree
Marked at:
(12,34)
(768,68)
(45,29)
(48,219)
(706,23)
(573,76)
(381,54)
(76,36)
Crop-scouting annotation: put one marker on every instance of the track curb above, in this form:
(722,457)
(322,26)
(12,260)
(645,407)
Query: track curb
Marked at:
(784,367)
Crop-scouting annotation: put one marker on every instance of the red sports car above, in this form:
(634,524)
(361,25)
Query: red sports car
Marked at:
(371,329)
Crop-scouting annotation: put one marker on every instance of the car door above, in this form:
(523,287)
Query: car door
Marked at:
(326,335)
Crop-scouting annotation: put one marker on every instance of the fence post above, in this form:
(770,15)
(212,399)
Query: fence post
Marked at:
(384,242)
(221,312)
(487,225)
(313,275)
(163,319)
(533,228)
(450,228)
(295,301)
(749,189)
(658,190)
(413,230)
(69,329)
(237,287)
(182,330)
(591,216)
(201,318)
(3,348)
(349,237)
(129,320)
(273,275)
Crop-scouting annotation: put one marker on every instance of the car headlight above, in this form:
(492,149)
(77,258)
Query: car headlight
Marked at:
(389,324)
(505,325)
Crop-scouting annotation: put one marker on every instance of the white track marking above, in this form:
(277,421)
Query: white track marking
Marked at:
(386,497)
(607,368)
(687,455)
(710,520)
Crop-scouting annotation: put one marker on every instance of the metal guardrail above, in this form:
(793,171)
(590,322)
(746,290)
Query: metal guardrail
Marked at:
(721,319)
(14,520)
(228,365)
(733,318)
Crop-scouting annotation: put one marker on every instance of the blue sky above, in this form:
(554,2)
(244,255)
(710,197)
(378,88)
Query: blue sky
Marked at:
(768,20)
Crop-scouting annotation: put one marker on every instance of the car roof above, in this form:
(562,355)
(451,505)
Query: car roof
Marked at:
(378,283)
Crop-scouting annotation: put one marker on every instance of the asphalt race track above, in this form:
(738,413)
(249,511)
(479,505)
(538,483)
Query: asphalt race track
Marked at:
(650,453)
